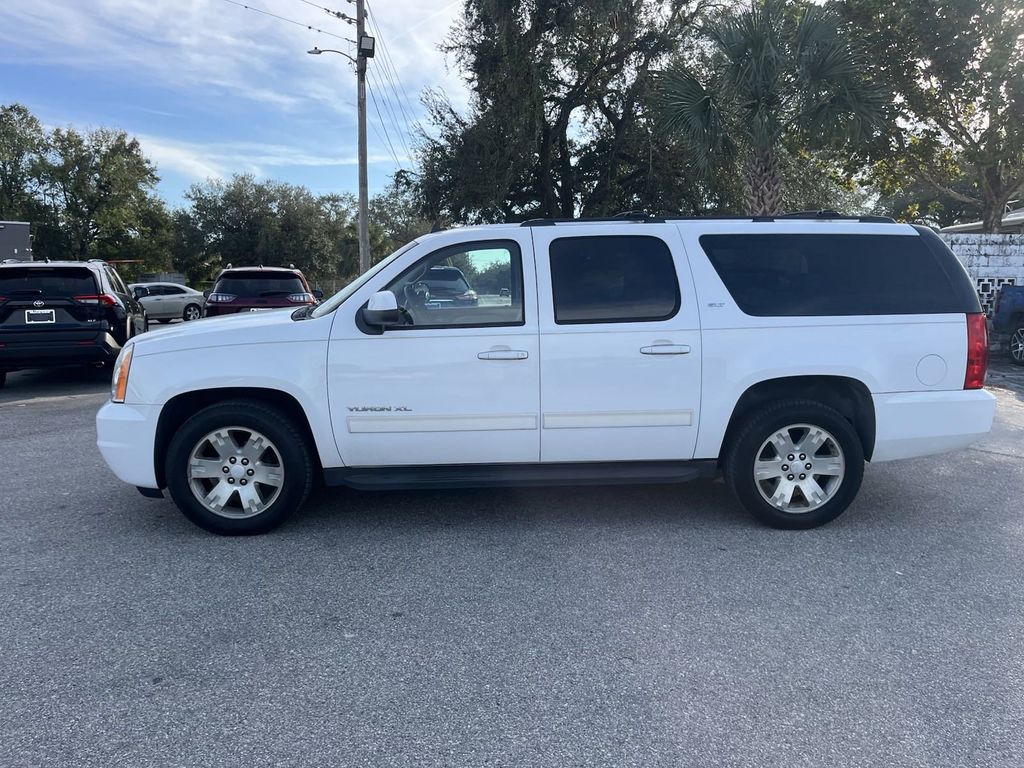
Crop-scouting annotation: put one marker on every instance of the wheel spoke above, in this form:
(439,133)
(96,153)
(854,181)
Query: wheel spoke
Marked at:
(219,496)
(268,476)
(832,466)
(813,492)
(812,441)
(250,499)
(254,446)
(205,468)
(783,442)
(766,469)
(783,495)
(222,443)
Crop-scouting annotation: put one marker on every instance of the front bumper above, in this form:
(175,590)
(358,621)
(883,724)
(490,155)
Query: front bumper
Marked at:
(126,437)
(909,424)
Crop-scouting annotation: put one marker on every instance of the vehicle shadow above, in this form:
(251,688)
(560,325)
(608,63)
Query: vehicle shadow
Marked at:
(56,382)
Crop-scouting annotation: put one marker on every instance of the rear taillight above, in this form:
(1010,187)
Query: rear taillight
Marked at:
(977,351)
(220,298)
(302,298)
(102,298)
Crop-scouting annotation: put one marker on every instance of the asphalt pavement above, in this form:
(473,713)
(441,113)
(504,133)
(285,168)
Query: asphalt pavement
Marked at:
(625,626)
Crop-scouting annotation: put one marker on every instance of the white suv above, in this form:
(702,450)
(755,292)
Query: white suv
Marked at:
(782,353)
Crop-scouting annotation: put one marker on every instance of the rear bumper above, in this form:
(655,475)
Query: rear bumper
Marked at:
(18,352)
(126,436)
(909,424)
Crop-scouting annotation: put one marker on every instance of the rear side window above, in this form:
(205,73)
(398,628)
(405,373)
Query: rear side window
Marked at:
(612,279)
(801,275)
(46,281)
(260,284)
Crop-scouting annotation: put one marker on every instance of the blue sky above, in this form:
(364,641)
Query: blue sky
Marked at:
(212,89)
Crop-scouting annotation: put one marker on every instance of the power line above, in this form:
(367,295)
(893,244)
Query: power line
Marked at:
(387,136)
(283,18)
(389,62)
(391,112)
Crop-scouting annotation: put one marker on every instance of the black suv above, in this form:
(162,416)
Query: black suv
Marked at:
(63,313)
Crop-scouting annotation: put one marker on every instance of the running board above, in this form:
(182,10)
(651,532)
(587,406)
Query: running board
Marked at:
(518,475)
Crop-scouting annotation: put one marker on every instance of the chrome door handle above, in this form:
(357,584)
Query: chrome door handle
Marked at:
(666,349)
(503,354)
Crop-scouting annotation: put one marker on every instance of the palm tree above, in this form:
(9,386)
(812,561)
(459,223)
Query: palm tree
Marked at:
(775,73)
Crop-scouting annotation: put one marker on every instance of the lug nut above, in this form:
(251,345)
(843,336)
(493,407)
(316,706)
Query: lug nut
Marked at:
(231,480)
(232,460)
(803,456)
(785,467)
(245,462)
(243,481)
(802,477)
(807,465)
(251,472)
(791,457)
(789,477)
(225,470)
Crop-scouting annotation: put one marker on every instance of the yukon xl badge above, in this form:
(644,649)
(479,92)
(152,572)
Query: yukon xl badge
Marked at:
(378,408)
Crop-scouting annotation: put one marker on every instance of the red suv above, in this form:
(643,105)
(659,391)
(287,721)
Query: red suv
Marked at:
(251,289)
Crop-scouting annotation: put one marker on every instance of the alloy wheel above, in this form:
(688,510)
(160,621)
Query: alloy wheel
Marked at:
(1017,345)
(799,468)
(235,472)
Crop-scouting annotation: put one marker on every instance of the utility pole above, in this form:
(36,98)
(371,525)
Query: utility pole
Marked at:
(364,200)
(364,50)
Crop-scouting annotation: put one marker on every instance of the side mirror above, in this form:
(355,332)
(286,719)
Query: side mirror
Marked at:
(140,291)
(382,310)
(318,294)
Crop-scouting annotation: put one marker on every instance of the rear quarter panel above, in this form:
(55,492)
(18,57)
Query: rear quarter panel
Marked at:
(887,353)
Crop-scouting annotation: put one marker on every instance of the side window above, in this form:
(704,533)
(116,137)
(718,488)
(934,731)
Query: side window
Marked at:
(172,290)
(612,279)
(156,290)
(115,281)
(465,285)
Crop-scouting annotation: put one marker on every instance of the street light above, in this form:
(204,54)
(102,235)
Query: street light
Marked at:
(364,49)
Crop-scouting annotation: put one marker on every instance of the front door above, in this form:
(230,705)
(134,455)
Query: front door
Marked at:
(458,383)
(620,345)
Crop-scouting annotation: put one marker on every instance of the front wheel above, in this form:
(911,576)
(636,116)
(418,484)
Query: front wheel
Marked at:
(795,464)
(238,468)
(1016,347)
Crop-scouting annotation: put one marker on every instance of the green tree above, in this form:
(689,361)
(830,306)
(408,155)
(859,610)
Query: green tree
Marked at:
(957,69)
(22,146)
(778,73)
(558,122)
(103,187)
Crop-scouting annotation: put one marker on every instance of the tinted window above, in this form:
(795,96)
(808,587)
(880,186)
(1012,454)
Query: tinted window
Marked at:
(46,281)
(173,290)
(259,284)
(115,281)
(465,285)
(610,279)
(800,275)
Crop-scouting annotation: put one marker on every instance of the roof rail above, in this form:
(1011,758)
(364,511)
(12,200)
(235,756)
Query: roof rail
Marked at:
(643,218)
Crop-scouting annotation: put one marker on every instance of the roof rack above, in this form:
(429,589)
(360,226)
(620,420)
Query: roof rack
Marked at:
(643,218)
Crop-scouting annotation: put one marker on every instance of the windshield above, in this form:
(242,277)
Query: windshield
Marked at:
(46,281)
(252,284)
(335,301)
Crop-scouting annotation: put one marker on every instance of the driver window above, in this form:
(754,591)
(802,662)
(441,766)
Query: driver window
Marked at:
(469,284)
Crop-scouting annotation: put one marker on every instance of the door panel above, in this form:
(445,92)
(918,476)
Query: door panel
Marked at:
(441,395)
(615,390)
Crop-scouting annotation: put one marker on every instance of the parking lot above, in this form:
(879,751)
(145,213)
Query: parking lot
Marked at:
(645,626)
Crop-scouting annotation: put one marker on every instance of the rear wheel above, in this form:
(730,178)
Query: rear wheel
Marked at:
(238,468)
(163,320)
(795,464)
(1016,347)
(192,312)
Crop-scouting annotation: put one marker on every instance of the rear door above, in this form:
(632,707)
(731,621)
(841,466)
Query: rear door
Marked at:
(620,344)
(60,301)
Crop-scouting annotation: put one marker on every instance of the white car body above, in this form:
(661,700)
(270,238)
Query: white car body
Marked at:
(556,393)
(168,301)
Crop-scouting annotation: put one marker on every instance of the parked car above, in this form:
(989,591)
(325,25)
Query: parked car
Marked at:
(446,284)
(64,312)
(781,353)
(1008,319)
(169,301)
(252,289)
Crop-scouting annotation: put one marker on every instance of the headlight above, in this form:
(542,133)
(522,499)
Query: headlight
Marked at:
(119,385)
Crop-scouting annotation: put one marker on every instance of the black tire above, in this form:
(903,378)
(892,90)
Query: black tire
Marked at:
(295,454)
(743,448)
(1015,346)
(195,309)
(163,320)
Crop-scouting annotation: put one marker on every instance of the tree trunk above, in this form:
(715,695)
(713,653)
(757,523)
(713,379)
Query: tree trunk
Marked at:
(763,183)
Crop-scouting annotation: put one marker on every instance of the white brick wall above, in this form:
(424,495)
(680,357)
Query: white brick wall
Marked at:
(991,260)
